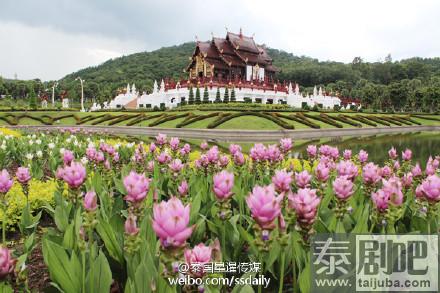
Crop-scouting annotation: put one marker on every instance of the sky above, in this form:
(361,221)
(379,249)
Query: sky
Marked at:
(48,39)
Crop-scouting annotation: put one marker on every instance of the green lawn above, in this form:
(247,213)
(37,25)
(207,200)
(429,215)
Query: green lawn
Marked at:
(241,122)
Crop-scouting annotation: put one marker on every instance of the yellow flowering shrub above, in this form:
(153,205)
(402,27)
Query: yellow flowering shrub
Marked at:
(40,194)
(7,131)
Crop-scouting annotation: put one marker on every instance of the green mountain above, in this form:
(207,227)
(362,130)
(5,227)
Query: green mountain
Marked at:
(406,84)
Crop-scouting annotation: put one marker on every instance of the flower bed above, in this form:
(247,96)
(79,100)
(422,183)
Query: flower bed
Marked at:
(127,215)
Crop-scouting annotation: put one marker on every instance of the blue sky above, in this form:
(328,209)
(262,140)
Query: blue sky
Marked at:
(51,38)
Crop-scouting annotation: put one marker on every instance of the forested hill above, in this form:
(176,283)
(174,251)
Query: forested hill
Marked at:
(407,84)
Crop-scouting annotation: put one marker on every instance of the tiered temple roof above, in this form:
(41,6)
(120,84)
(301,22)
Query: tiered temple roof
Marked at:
(236,50)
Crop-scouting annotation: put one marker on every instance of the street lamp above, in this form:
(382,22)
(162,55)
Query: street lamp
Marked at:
(53,93)
(82,92)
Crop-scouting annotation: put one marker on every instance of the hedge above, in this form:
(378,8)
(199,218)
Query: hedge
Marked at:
(223,118)
(166,118)
(106,118)
(324,120)
(89,118)
(362,120)
(142,117)
(303,120)
(195,119)
(401,120)
(122,118)
(426,118)
(342,119)
(390,120)
(377,120)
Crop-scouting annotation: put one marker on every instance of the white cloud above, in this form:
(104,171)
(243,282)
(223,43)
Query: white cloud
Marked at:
(70,35)
(42,52)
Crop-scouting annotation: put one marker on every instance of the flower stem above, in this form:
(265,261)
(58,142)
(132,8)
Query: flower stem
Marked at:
(224,240)
(283,259)
(83,272)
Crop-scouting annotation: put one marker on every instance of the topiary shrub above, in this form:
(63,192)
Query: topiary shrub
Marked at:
(205,95)
(226,96)
(217,96)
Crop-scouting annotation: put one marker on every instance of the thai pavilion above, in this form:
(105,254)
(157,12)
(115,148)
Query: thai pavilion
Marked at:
(235,63)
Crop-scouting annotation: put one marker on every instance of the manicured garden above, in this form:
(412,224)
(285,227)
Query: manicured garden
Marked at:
(88,213)
(220,119)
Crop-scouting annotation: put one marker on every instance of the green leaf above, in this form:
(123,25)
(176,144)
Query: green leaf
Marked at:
(63,271)
(5,287)
(304,279)
(108,235)
(99,278)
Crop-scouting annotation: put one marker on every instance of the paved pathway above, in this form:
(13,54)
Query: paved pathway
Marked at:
(224,135)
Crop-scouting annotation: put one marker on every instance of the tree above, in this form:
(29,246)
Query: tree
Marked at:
(33,100)
(205,95)
(226,96)
(217,96)
(191,96)
(198,101)
(233,94)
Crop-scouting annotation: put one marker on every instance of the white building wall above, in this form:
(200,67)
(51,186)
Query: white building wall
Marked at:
(171,98)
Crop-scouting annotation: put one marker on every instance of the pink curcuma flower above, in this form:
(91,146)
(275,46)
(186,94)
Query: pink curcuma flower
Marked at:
(407,180)
(273,153)
(68,157)
(286,144)
(334,152)
(239,159)
(347,168)
(176,165)
(161,139)
(281,180)
(163,158)
(392,153)
(199,254)
(234,149)
(386,172)
(183,188)
(204,145)
(322,172)
(343,188)
(416,171)
(393,187)
(302,179)
(312,151)
(90,201)
(130,225)
(430,188)
(137,186)
(5,181)
(185,150)
(7,263)
(91,153)
(407,155)
(174,143)
(152,147)
(347,154)
(380,200)
(305,203)
(396,165)
(223,184)
(265,206)
(223,161)
(74,175)
(371,174)
(213,154)
(430,169)
(258,152)
(170,222)
(325,150)
(363,156)
(23,175)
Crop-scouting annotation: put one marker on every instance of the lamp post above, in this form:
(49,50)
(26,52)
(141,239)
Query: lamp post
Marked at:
(82,92)
(53,93)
